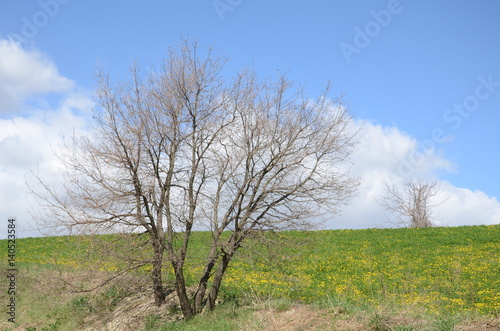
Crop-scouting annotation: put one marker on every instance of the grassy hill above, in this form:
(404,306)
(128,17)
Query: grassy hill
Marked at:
(381,279)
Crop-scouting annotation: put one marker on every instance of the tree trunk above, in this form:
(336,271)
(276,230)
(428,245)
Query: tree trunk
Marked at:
(159,292)
(214,290)
(199,299)
(180,288)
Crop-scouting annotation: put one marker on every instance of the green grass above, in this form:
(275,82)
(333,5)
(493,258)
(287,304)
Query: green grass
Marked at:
(442,270)
(445,275)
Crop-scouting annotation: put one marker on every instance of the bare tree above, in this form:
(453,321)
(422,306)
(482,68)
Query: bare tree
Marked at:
(182,150)
(412,203)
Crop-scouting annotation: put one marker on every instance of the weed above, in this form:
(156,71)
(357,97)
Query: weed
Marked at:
(53,326)
(81,302)
(282,305)
(446,275)
(445,324)
(151,321)
(379,322)
(403,328)
(112,296)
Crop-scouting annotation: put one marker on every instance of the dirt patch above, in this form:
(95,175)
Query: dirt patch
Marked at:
(485,325)
(294,319)
(131,313)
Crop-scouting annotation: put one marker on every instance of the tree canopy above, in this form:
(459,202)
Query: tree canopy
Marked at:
(185,149)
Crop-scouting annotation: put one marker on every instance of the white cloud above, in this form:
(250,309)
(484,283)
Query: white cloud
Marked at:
(25,73)
(378,160)
(467,207)
(30,145)
(388,148)
(27,143)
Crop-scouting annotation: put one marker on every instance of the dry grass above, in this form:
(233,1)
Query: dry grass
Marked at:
(50,296)
(50,303)
(296,318)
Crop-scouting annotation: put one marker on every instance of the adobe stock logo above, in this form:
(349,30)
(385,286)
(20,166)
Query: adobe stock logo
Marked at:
(34,23)
(459,111)
(364,36)
(454,116)
(223,6)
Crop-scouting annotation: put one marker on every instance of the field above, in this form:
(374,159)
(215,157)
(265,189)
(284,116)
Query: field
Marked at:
(385,279)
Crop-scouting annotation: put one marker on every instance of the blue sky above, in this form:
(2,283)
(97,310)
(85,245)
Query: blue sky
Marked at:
(416,72)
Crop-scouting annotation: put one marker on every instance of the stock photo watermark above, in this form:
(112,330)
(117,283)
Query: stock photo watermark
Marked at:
(32,24)
(453,116)
(363,36)
(223,6)
(11,270)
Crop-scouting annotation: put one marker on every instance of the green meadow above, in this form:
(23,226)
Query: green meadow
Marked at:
(449,274)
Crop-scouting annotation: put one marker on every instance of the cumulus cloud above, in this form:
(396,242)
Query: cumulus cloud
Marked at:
(467,207)
(378,160)
(25,73)
(27,144)
(28,141)
(391,150)
(30,145)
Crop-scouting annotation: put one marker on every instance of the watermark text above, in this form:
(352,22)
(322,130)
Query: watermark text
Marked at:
(11,270)
(453,116)
(223,6)
(364,36)
(32,24)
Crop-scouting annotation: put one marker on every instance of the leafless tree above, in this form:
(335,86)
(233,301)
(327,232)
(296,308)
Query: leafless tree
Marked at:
(183,149)
(412,203)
